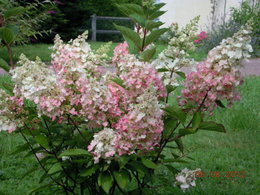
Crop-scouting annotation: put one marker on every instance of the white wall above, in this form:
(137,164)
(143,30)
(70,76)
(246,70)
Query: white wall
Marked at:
(221,8)
(182,11)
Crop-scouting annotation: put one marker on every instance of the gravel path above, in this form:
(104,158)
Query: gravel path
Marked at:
(251,67)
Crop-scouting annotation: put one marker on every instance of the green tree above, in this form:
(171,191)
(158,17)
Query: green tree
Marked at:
(76,15)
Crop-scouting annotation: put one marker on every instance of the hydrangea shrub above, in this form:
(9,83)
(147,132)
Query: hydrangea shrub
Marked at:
(101,126)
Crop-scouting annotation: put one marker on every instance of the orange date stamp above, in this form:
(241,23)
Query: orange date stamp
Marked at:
(216,174)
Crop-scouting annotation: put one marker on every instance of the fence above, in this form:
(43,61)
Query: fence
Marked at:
(94,29)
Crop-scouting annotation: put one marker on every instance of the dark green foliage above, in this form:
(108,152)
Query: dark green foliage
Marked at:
(74,17)
(19,24)
(146,32)
(26,18)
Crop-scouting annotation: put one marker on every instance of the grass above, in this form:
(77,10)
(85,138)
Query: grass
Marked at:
(237,150)
(44,51)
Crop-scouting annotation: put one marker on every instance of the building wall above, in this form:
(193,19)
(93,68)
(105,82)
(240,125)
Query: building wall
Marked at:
(223,7)
(182,11)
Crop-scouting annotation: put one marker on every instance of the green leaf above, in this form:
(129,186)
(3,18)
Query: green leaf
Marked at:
(122,178)
(150,24)
(123,160)
(105,180)
(196,120)
(163,70)
(187,131)
(119,81)
(43,177)
(7,34)
(155,35)
(212,126)
(89,171)
(170,88)
(180,144)
(181,74)
(172,169)
(4,65)
(138,166)
(14,12)
(156,14)
(175,155)
(148,163)
(159,6)
(75,152)
(176,112)
(220,104)
(130,34)
(148,54)
(169,125)
(42,140)
(21,148)
(138,19)
(129,8)
(55,168)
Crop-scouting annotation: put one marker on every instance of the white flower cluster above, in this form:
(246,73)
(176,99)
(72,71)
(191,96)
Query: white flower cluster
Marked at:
(8,120)
(186,179)
(103,145)
(175,56)
(32,78)
(35,81)
(231,50)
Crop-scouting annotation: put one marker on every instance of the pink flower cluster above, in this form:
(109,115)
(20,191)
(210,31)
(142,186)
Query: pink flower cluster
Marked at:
(137,75)
(211,85)
(201,37)
(76,85)
(120,51)
(217,77)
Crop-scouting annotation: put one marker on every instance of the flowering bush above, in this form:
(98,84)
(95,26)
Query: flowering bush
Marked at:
(102,125)
(201,37)
(176,55)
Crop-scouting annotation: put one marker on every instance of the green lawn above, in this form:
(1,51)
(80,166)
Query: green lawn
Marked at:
(237,150)
(44,51)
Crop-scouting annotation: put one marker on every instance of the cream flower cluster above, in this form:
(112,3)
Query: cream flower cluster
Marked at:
(218,76)
(186,179)
(103,145)
(37,82)
(10,108)
(175,56)
(231,50)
